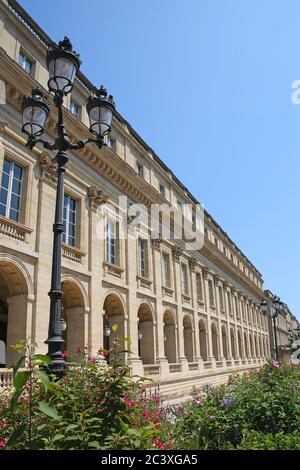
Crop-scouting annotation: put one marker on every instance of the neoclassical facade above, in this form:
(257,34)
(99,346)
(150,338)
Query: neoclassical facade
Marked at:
(190,316)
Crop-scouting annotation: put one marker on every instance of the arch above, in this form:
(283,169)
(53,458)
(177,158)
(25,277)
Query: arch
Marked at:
(114,314)
(170,336)
(225,342)
(73,312)
(188,338)
(146,333)
(214,339)
(66,279)
(202,339)
(15,290)
(233,343)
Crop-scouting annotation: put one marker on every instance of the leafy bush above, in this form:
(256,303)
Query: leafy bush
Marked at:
(94,406)
(258,408)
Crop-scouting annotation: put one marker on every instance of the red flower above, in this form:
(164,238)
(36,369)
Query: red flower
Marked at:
(65,354)
(78,350)
(3,442)
(158,443)
(105,354)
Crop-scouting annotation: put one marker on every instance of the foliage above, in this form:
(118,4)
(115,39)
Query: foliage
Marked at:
(256,409)
(94,406)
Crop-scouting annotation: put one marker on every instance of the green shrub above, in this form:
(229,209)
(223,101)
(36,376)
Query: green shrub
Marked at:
(266,402)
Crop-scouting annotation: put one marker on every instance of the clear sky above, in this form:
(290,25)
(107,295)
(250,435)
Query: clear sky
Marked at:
(207,84)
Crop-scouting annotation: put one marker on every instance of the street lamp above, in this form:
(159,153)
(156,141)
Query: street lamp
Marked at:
(276,308)
(63,64)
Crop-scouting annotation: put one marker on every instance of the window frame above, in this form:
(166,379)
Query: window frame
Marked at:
(27,58)
(166,274)
(143,254)
(66,235)
(9,190)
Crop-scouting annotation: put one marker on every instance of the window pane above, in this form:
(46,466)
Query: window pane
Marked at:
(18,172)
(2,210)
(5,180)
(15,202)
(3,196)
(16,187)
(14,215)
(6,166)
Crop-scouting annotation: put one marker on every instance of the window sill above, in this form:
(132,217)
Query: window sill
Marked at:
(15,230)
(185,298)
(112,269)
(143,282)
(72,253)
(167,290)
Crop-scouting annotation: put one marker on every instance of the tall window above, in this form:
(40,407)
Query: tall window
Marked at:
(199,287)
(211,293)
(162,190)
(10,193)
(166,270)
(184,279)
(111,143)
(69,235)
(25,62)
(112,255)
(143,257)
(229,302)
(236,304)
(140,169)
(75,108)
(221,298)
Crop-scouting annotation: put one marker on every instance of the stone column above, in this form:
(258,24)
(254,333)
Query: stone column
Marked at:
(17,324)
(218,307)
(211,357)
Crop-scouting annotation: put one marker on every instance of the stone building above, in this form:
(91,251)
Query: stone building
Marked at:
(286,323)
(191,318)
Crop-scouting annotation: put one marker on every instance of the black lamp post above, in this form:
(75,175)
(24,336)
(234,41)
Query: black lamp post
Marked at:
(276,308)
(63,64)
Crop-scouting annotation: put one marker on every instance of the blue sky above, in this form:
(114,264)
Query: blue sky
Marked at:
(207,84)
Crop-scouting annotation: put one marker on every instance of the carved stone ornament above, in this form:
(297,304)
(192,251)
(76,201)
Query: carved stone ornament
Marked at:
(177,252)
(96,197)
(48,168)
(192,263)
(156,242)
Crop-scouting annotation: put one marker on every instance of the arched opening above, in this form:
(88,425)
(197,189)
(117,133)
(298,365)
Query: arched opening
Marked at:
(146,334)
(188,338)
(114,315)
(74,314)
(214,338)
(233,343)
(246,345)
(13,310)
(170,337)
(202,340)
(224,342)
(240,353)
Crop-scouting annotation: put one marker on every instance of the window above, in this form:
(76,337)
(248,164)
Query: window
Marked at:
(25,62)
(224,249)
(229,302)
(162,190)
(69,234)
(75,108)
(111,143)
(140,169)
(216,241)
(10,193)
(211,293)
(199,287)
(112,255)
(221,298)
(236,304)
(143,257)
(184,279)
(166,270)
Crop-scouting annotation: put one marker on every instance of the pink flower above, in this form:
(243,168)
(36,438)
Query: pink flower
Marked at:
(65,354)
(199,400)
(3,442)
(158,443)
(275,363)
(78,350)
